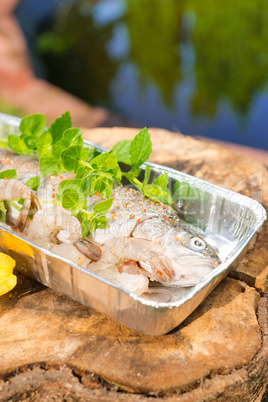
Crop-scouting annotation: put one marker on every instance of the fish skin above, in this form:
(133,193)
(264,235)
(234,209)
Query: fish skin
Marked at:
(133,215)
(150,233)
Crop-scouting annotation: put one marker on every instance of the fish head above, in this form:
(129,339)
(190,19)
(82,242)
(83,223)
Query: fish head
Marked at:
(189,256)
(192,258)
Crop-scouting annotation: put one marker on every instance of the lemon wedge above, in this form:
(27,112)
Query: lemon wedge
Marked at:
(7,280)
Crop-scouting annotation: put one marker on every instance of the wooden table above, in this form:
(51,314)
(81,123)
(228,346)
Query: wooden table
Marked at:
(52,348)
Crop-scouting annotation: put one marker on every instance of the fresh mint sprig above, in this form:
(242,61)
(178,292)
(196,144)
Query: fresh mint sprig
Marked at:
(71,196)
(96,176)
(60,148)
(135,152)
(31,127)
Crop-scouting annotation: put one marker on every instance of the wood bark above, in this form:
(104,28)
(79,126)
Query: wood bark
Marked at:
(52,347)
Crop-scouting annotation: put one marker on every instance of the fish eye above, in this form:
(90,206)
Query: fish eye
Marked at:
(197,244)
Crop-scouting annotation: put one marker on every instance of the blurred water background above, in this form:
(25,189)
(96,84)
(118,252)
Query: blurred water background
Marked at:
(197,67)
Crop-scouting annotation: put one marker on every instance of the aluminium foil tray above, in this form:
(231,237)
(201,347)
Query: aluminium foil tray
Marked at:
(227,220)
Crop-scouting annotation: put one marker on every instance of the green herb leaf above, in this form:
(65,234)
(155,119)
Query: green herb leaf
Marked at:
(71,156)
(104,186)
(146,174)
(30,142)
(18,145)
(44,143)
(69,199)
(72,184)
(101,222)
(61,124)
(106,160)
(33,182)
(158,194)
(85,154)
(92,153)
(88,185)
(8,174)
(86,227)
(56,151)
(48,165)
(3,142)
(122,151)
(80,205)
(103,207)
(161,180)
(3,212)
(33,124)
(140,148)
(82,169)
(72,136)
(92,221)
(117,174)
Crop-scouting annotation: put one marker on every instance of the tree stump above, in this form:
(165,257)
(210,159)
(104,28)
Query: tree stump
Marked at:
(53,348)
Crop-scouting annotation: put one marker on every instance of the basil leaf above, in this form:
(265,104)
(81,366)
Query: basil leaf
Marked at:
(8,174)
(140,148)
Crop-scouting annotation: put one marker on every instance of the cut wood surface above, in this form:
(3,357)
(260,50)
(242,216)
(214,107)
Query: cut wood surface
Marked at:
(53,348)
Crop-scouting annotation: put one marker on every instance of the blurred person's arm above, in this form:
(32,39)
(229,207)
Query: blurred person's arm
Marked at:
(13,47)
(8,6)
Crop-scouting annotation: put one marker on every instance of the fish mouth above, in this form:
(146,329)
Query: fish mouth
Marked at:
(191,269)
(198,260)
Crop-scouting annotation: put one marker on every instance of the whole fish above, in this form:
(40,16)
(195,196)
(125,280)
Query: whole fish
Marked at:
(144,240)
